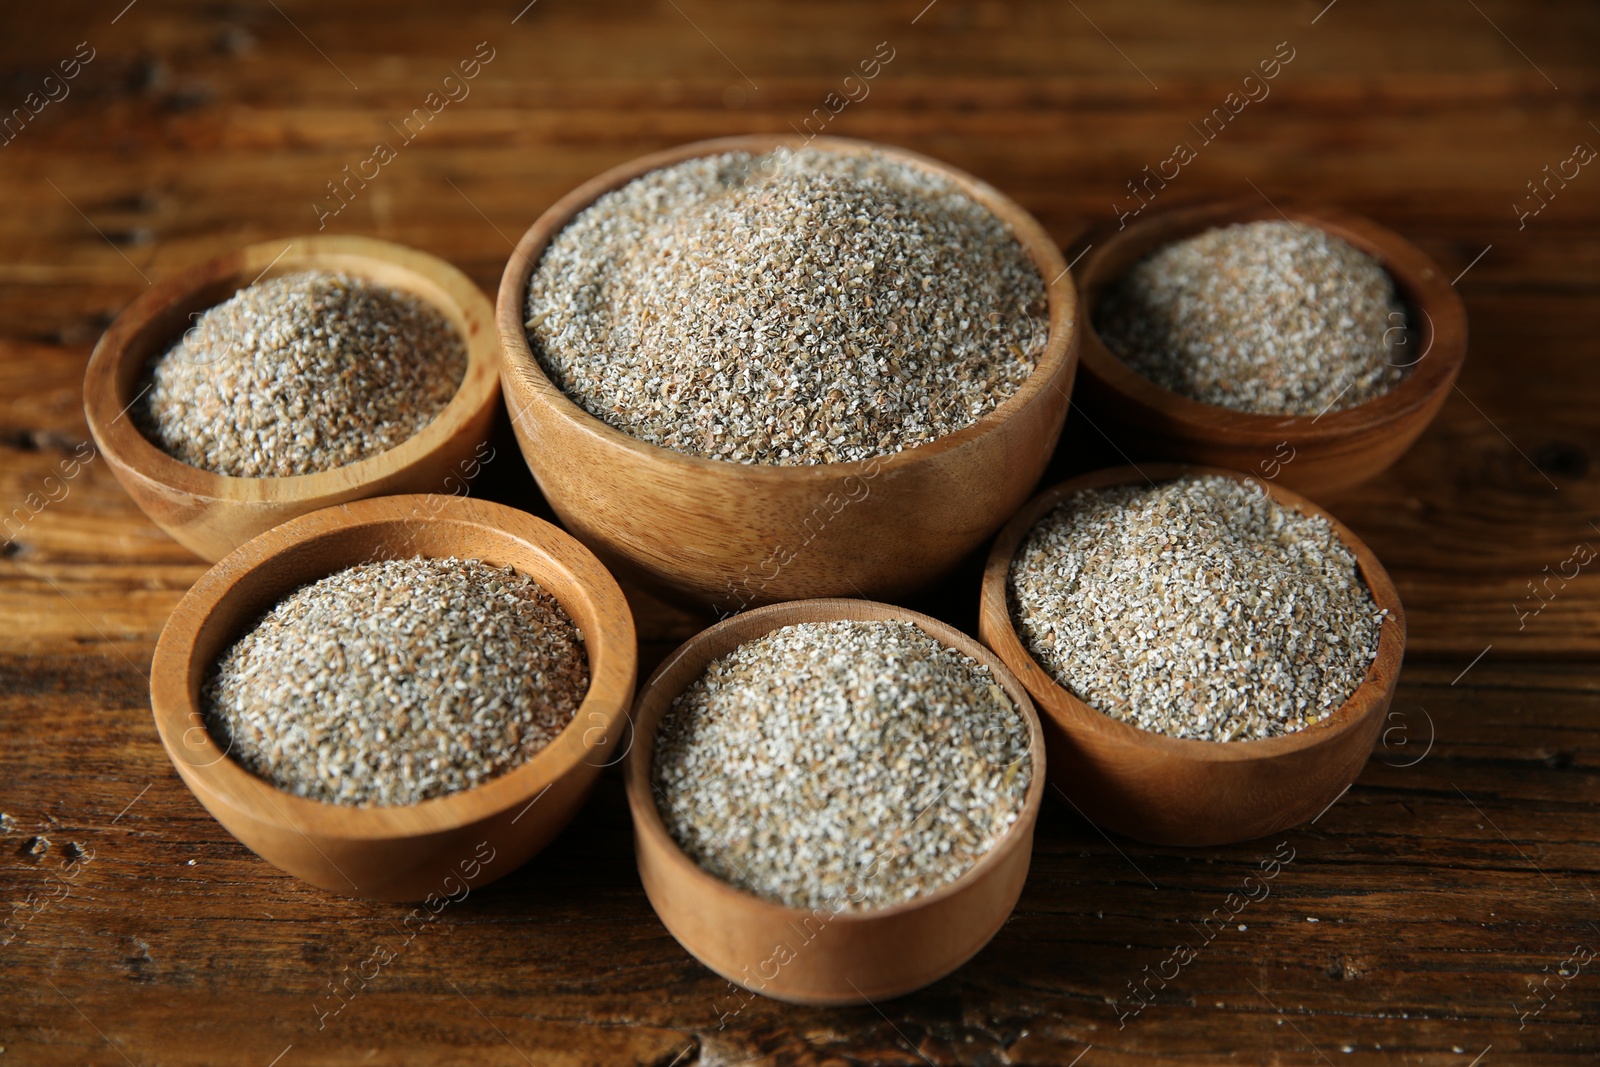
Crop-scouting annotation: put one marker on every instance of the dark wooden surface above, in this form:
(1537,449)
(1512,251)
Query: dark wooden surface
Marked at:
(1419,914)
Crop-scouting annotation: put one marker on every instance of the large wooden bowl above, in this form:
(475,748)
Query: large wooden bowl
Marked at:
(850,957)
(1314,454)
(406,852)
(1178,791)
(212,514)
(733,534)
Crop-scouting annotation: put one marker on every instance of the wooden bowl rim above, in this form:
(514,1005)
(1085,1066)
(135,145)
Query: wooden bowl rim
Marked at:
(603,617)
(653,702)
(1074,715)
(1059,357)
(117,435)
(1419,282)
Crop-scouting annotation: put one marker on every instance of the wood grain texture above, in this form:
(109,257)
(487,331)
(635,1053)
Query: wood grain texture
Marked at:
(1179,791)
(1460,868)
(735,535)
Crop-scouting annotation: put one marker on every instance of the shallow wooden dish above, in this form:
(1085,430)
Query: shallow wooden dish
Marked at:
(738,534)
(1173,791)
(1313,454)
(436,847)
(844,958)
(212,514)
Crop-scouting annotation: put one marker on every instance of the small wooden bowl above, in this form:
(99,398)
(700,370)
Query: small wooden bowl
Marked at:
(212,514)
(1176,791)
(402,852)
(739,534)
(1313,454)
(851,957)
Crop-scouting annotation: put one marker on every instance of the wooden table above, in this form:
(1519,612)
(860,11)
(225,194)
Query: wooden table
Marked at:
(1424,917)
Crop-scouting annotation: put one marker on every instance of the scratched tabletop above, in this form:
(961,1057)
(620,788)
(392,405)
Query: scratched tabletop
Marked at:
(1443,912)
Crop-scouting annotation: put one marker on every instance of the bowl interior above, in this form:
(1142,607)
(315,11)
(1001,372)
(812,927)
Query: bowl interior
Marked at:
(1053,369)
(690,661)
(1073,714)
(233,596)
(167,328)
(1435,316)
(158,321)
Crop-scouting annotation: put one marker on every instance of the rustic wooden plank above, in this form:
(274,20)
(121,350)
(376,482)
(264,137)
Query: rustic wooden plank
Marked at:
(1428,921)
(1462,866)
